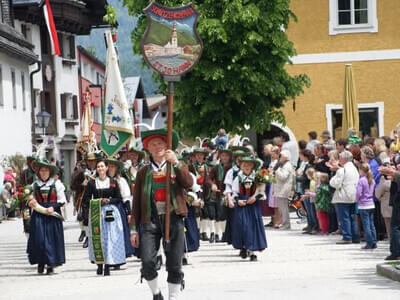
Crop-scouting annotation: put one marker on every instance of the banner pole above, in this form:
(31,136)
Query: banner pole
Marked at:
(168,179)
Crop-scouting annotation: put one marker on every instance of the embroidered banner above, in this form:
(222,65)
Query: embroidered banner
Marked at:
(95,226)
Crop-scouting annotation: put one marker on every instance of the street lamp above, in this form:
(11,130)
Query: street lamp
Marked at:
(43,119)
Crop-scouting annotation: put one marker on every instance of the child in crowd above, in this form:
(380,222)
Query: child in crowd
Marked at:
(366,206)
(323,203)
(308,199)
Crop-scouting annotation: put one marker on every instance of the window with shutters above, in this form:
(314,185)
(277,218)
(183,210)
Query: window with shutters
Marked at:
(96,114)
(71,41)
(23,91)
(61,44)
(14,88)
(69,106)
(1,87)
(352,16)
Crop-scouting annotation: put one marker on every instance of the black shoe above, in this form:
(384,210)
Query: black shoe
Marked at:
(204,237)
(223,239)
(253,257)
(392,257)
(244,253)
(117,268)
(40,268)
(356,241)
(99,270)
(158,296)
(212,237)
(217,240)
(50,270)
(185,261)
(86,243)
(107,270)
(82,236)
(159,262)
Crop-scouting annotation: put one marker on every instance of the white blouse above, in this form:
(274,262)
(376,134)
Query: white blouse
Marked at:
(60,188)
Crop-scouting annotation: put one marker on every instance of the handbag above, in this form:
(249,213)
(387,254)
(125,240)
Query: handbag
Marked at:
(109,216)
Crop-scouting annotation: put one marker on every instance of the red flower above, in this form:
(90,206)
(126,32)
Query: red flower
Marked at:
(20,189)
(19,194)
(160,195)
(200,180)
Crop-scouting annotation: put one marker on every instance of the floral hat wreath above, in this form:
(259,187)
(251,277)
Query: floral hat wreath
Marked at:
(134,147)
(236,144)
(38,159)
(153,133)
(40,162)
(94,155)
(200,148)
(114,161)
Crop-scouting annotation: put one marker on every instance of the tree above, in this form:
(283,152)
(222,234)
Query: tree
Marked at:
(241,77)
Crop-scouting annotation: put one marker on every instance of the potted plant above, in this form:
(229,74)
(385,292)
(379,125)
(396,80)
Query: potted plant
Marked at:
(111,18)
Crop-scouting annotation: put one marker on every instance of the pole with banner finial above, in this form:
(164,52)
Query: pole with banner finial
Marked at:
(171,60)
(168,180)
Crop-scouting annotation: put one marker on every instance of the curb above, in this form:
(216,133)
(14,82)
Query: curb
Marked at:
(388,271)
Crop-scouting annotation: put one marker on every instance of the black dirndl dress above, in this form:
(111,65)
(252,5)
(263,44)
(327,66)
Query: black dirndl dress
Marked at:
(248,227)
(192,232)
(46,237)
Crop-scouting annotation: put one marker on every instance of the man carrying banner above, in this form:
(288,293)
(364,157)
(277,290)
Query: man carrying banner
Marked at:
(149,208)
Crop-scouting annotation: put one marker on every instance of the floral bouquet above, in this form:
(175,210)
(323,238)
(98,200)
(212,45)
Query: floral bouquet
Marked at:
(264,176)
(27,194)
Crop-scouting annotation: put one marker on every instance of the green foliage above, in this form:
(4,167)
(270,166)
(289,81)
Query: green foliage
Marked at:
(241,77)
(92,51)
(111,15)
(17,160)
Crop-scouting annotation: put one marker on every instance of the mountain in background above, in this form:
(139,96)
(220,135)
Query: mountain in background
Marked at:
(160,34)
(130,63)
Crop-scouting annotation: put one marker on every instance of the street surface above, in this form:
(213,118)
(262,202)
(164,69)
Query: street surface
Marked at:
(295,266)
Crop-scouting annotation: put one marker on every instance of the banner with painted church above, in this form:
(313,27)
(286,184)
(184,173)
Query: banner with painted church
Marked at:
(171,45)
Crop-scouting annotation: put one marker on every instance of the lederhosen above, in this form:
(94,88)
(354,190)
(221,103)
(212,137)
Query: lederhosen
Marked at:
(152,233)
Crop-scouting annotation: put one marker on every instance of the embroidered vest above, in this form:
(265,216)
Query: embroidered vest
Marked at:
(46,194)
(159,187)
(247,189)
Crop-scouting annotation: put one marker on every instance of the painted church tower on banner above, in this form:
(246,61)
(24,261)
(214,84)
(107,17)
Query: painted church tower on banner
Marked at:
(174,38)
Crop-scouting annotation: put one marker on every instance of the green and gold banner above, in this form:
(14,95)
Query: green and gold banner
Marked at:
(95,226)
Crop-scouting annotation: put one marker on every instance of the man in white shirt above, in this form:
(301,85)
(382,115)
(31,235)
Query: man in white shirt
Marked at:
(291,146)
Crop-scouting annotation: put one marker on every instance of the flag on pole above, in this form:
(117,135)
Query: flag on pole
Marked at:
(117,121)
(51,27)
(87,138)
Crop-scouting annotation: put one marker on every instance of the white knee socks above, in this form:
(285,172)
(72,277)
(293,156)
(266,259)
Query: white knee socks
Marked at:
(153,284)
(212,226)
(173,290)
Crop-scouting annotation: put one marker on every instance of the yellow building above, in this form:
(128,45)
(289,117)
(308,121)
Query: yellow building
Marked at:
(330,34)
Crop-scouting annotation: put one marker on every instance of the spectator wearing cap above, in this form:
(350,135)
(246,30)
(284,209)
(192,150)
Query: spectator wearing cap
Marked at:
(327,140)
(313,141)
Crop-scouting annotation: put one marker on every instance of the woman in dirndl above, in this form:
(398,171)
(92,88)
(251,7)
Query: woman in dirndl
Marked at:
(111,230)
(46,245)
(192,235)
(115,167)
(248,233)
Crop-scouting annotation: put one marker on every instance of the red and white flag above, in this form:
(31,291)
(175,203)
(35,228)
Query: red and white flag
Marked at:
(51,27)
